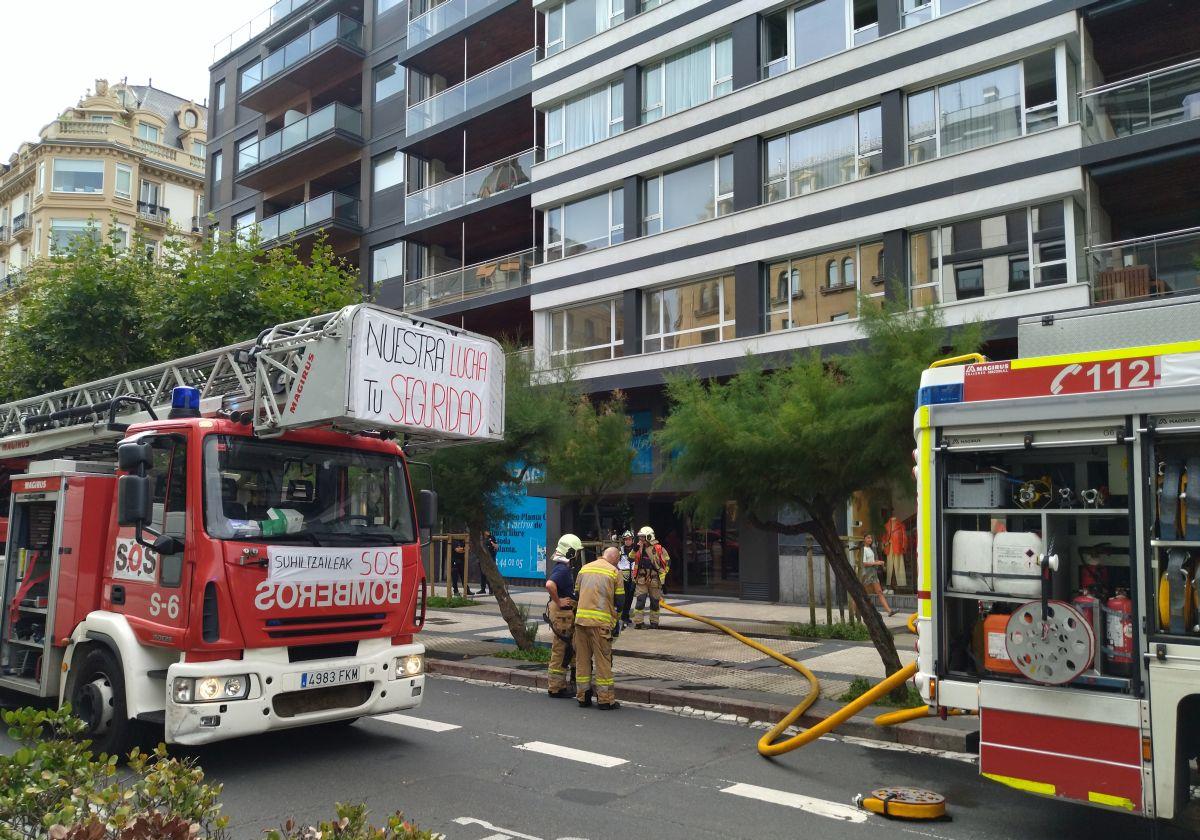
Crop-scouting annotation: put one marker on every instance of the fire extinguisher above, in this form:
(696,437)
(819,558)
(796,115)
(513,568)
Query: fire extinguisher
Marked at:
(1087,604)
(1118,635)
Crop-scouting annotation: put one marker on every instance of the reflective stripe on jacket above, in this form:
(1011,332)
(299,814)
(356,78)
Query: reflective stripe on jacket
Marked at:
(596,589)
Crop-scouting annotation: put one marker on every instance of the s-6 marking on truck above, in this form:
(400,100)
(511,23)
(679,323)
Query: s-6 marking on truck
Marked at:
(1058,553)
(229,543)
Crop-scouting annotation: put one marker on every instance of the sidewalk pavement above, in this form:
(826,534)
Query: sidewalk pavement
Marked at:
(687,664)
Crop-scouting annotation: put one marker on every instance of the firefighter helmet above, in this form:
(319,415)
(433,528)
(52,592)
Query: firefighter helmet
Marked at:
(628,535)
(647,532)
(569,546)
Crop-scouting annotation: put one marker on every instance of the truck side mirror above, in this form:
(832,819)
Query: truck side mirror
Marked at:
(427,510)
(135,456)
(134,502)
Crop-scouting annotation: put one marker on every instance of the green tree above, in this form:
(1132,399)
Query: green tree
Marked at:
(596,455)
(102,308)
(475,482)
(809,434)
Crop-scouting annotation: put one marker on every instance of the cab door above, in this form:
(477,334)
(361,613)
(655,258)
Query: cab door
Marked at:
(148,587)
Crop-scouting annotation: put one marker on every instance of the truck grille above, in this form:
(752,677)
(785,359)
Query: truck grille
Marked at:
(329,650)
(318,625)
(293,703)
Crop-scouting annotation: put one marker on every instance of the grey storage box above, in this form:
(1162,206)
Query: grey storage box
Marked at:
(976,490)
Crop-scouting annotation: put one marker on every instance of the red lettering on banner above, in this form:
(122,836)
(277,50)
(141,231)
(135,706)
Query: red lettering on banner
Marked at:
(435,406)
(1001,381)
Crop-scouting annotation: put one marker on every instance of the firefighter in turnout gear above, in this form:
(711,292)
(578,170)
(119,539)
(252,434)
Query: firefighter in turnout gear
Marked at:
(650,565)
(597,622)
(560,585)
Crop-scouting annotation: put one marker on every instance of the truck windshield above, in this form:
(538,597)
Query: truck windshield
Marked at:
(288,492)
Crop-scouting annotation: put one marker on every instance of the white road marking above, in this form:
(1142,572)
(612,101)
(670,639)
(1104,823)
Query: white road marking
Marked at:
(572,754)
(809,804)
(418,723)
(503,832)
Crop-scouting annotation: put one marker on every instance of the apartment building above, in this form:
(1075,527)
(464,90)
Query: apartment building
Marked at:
(402,132)
(723,177)
(129,157)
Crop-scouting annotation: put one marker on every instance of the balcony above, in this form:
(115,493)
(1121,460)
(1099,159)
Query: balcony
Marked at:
(169,154)
(1152,100)
(296,149)
(259,24)
(153,213)
(476,185)
(1147,267)
(334,211)
(442,17)
(289,71)
(11,281)
(21,224)
(198,224)
(461,283)
(475,91)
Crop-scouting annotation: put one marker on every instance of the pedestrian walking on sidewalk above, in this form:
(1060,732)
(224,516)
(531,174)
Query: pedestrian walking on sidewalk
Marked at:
(625,567)
(560,584)
(870,574)
(650,565)
(597,623)
(458,566)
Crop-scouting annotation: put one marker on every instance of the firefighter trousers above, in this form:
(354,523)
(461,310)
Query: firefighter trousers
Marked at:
(648,587)
(593,646)
(562,623)
(895,570)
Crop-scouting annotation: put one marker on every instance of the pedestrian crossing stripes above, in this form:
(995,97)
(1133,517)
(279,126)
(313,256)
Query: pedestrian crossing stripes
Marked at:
(572,754)
(418,723)
(808,804)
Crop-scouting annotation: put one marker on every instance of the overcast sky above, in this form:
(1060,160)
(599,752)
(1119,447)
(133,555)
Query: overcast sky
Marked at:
(168,41)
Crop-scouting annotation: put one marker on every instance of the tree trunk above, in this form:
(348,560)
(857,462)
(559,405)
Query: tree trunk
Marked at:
(826,534)
(596,513)
(509,611)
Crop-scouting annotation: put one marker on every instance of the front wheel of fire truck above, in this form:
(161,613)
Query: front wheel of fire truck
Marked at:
(98,699)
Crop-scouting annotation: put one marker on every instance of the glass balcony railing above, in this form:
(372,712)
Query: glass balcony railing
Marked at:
(1152,266)
(336,28)
(491,276)
(476,90)
(331,207)
(259,24)
(1159,98)
(475,185)
(332,116)
(441,17)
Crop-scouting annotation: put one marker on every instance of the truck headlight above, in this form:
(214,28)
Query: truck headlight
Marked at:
(210,689)
(410,666)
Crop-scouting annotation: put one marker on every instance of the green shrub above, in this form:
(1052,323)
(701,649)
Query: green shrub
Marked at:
(861,685)
(351,824)
(838,630)
(536,654)
(440,602)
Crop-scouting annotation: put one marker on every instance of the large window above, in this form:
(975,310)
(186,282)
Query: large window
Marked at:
(987,108)
(588,332)
(387,261)
(389,80)
(149,132)
(217,162)
(243,225)
(692,194)
(124,185)
(688,78)
(585,225)
(810,31)
(387,170)
(913,12)
(219,95)
(576,20)
(585,119)
(64,232)
(818,288)
(698,312)
(989,255)
(78,176)
(824,155)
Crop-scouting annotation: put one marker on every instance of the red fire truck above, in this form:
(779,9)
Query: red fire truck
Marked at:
(1059,519)
(228,543)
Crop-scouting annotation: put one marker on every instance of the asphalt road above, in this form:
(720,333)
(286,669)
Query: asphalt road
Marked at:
(480,762)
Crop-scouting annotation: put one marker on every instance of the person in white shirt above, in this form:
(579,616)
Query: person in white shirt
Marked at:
(870,573)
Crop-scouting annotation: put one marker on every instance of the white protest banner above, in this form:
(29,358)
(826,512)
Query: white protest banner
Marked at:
(409,376)
(309,563)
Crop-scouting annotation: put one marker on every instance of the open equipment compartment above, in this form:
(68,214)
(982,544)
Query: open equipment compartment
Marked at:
(1173,523)
(1007,500)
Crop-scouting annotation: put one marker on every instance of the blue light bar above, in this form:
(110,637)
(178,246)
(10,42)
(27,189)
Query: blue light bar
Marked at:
(940,394)
(185,402)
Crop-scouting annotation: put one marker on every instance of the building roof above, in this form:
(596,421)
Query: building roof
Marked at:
(166,105)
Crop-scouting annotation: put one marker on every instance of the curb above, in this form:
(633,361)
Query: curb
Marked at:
(926,734)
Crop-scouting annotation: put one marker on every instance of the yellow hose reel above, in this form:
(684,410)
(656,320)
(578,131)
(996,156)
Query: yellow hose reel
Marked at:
(903,803)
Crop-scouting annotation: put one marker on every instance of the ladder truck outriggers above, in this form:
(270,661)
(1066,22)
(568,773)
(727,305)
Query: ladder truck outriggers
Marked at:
(1058,554)
(229,543)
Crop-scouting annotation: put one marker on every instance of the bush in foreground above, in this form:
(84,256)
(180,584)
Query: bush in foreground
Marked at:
(838,630)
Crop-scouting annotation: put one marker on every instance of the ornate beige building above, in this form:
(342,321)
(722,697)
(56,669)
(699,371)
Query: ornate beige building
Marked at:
(127,155)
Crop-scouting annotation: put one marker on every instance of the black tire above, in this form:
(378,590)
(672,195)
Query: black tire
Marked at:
(98,699)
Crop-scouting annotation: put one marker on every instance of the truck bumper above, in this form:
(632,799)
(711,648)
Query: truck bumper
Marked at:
(277,698)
